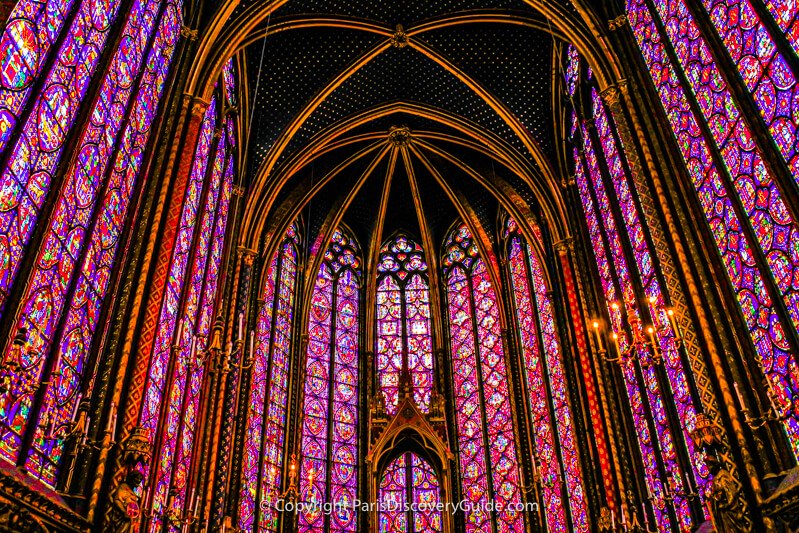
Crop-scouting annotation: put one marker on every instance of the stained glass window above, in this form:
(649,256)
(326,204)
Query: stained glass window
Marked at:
(409,496)
(546,389)
(752,188)
(178,363)
(488,459)
(403,323)
(266,418)
(786,14)
(229,81)
(572,69)
(763,69)
(665,479)
(69,281)
(32,30)
(329,447)
(37,151)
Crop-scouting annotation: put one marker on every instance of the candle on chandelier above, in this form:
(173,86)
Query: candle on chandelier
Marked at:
(616,343)
(241,326)
(598,336)
(193,352)
(252,343)
(181,327)
(651,331)
(675,326)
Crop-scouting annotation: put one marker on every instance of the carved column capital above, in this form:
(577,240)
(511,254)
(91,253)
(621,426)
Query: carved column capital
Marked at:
(247,254)
(564,246)
(612,95)
(198,105)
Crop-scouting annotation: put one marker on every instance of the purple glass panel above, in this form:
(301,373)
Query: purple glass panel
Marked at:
(409,493)
(403,292)
(266,420)
(185,359)
(31,29)
(25,182)
(635,388)
(482,398)
(328,467)
(765,326)
(168,320)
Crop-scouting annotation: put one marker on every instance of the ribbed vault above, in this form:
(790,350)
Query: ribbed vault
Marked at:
(475,81)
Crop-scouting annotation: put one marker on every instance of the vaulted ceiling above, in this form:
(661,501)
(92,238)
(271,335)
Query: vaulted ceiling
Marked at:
(473,81)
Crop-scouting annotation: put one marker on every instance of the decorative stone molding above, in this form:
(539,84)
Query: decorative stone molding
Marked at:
(618,22)
(28,506)
(400,135)
(189,33)
(400,38)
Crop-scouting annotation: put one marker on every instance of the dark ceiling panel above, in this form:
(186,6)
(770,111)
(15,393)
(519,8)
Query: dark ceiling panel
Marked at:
(403,75)
(512,62)
(393,12)
(297,65)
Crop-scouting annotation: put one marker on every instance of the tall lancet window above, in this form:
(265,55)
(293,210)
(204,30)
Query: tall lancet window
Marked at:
(177,364)
(266,418)
(410,496)
(657,377)
(553,432)
(403,323)
(489,467)
(743,186)
(58,302)
(329,446)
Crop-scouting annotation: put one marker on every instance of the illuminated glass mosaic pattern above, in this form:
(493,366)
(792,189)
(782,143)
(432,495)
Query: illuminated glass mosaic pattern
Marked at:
(185,360)
(36,153)
(774,229)
(572,69)
(61,316)
(763,69)
(26,43)
(488,461)
(329,447)
(545,386)
(647,441)
(266,418)
(786,13)
(403,323)
(675,369)
(229,81)
(409,482)
(33,27)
